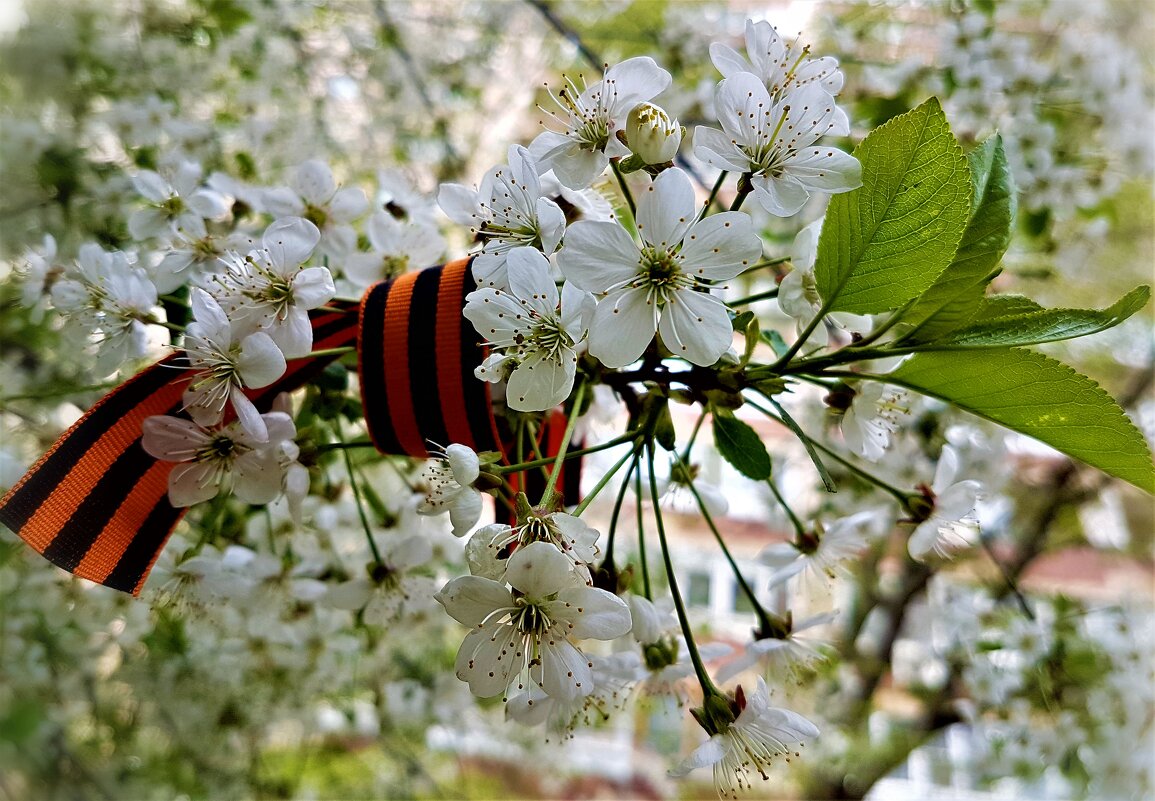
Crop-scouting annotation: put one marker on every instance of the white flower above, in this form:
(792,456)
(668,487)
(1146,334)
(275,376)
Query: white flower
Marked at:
(652,135)
(774,141)
(661,284)
(872,417)
(391,590)
(176,204)
(782,655)
(39,264)
(749,745)
(534,339)
(952,525)
(823,553)
(526,634)
(591,118)
(269,290)
(226,366)
(677,491)
(189,259)
(449,481)
(398,247)
(314,195)
(111,297)
(215,460)
(781,66)
(508,211)
(798,293)
(490,546)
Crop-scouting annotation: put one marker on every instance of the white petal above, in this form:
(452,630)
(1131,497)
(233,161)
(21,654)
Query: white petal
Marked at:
(600,615)
(313,287)
(826,169)
(209,314)
(147,223)
(782,197)
(192,483)
(495,652)
(667,208)
(290,242)
(598,255)
(529,279)
(539,383)
(351,595)
(410,552)
(460,204)
(727,60)
(622,328)
(708,753)
(721,246)
(294,334)
(150,185)
(718,150)
(260,362)
(695,327)
(208,204)
(471,599)
(550,223)
(314,182)
(465,511)
(282,202)
(464,463)
(348,204)
(258,477)
(565,671)
(539,570)
(173,439)
(635,80)
(578,167)
(247,415)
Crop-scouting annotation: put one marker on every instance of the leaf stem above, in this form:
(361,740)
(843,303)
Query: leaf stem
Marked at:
(581,507)
(357,497)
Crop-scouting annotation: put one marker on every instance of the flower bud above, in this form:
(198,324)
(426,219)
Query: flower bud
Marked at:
(652,135)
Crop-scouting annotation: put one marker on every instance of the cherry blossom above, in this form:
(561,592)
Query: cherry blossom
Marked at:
(533,332)
(177,203)
(449,488)
(508,211)
(525,633)
(661,285)
(590,119)
(952,525)
(313,194)
(774,141)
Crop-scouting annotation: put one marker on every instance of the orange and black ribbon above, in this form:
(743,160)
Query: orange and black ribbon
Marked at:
(97,504)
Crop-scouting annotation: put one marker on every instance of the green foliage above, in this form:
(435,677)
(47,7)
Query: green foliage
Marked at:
(1038,396)
(1004,328)
(741,446)
(885,243)
(956,295)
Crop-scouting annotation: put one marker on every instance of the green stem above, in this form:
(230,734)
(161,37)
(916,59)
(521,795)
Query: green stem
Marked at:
(713,194)
(613,443)
(693,437)
(336,446)
(642,537)
(899,495)
(757,296)
(581,507)
(744,190)
(766,620)
(763,264)
(708,685)
(799,529)
(317,354)
(618,508)
(357,497)
(547,496)
(801,340)
(625,189)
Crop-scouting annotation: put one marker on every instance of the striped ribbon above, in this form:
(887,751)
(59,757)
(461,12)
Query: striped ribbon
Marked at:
(96,504)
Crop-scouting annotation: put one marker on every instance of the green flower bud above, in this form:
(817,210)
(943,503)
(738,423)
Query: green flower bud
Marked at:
(652,135)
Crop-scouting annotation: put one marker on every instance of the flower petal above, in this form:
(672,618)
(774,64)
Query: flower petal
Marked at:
(622,328)
(595,614)
(471,599)
(695,326)
(667,209)
(598,255)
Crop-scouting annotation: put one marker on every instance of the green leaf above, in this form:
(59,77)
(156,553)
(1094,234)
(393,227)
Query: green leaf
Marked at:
(775,341)
(955,297)
(886,242)
(741,446)
(1045,325)
(996,307)
(1038,396)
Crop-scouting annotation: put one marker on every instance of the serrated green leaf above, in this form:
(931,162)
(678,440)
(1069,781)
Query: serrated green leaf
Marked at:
(1046,325)
(955,297)
(995,307)
(741,446)
(1038,396)
(886,242)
